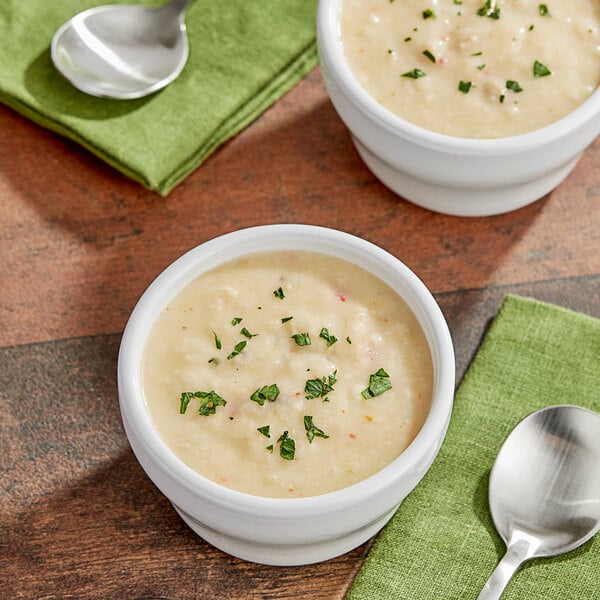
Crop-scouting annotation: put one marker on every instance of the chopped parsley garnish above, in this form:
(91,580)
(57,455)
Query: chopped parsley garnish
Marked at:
(287,448)
(217,341)
(379,382)
(407,39)
(208,402)
(543,10)
(286,319)
(247,334)
(540,70)
(278,293)
(312,431)
(330,339)
(477,53)
(480,67)
(320,387)
(236,321)
(414,74)
(428,14)
(465,86)
(514,86)
(301,339)
(267,392)
(501,98)
(184,400)
(270,447)
(489,10)
(237,349)
(429,55)
(265,430)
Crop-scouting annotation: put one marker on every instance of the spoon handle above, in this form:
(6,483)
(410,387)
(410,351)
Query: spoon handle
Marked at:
(516,554)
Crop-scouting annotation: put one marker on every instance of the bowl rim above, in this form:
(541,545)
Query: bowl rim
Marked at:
(331,52)
(225,248)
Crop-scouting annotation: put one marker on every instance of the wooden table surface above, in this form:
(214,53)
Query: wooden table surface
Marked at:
(78,245)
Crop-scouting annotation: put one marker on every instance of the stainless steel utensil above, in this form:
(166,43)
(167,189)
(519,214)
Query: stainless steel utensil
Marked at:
(545,489)
(122,51)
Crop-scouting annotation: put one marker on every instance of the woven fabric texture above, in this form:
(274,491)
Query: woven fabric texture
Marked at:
(441,543)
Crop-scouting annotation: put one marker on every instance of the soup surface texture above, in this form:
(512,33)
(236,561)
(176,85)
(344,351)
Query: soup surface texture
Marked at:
(475,68)
(287,374)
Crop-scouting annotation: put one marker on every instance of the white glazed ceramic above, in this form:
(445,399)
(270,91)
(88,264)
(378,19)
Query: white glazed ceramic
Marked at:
(458,176)
(284,531)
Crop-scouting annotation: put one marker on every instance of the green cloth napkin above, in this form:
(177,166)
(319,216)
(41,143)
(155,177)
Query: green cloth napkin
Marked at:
(441,544)
(243,56)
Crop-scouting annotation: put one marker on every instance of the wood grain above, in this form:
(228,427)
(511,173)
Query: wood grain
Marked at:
(78,245)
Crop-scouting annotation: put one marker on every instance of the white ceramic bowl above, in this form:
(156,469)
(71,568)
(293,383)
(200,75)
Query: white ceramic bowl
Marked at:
(458,176)
(284,531)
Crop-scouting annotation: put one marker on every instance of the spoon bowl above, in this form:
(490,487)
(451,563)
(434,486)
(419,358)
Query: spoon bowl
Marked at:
(545,488)
(122,51)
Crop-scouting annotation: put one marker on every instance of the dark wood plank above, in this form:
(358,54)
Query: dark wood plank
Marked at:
(80,519)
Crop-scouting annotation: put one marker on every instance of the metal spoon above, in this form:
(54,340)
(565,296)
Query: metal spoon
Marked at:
(122,51)
(545,489)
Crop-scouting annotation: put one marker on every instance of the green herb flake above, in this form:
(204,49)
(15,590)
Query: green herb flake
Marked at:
(480,67)
(429,55)
(414,74)
(543,10)
(465,86)
(278,293)
(379,382)
(320,387)
(301,339)
(408,39)
(325,335)
(247,334)
(287,448)
(236,321)
(489,9)
(217,341)
(286,319)
(208,402)
(477,53)
(237,349)
(501,98)
(531,27)
(540,70)
(184,400)
(265,430)
(270,448)
(312,431)
(267,392)
(348,339)
(514,86)
(428,14)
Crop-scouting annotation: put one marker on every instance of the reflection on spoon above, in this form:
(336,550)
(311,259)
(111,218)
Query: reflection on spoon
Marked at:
(545,489)
(122,51)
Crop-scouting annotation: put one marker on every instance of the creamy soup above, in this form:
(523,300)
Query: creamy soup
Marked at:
(287,374)
(475,68)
